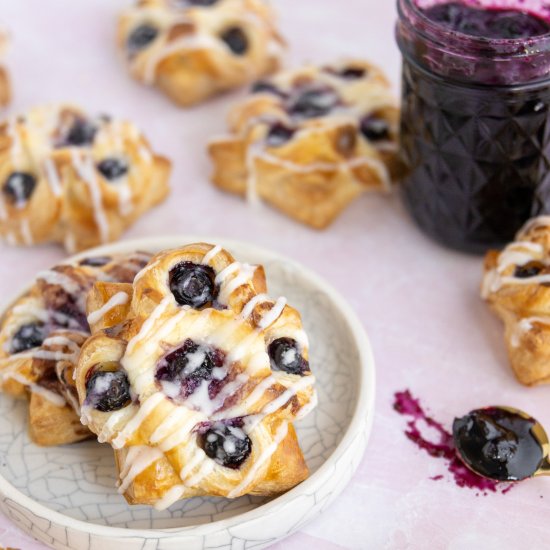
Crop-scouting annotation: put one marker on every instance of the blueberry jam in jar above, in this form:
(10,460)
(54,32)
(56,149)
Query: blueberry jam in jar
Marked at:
(475,123)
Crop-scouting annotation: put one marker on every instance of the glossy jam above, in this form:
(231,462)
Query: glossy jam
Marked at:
(475,131)
(432,437)
(498,444)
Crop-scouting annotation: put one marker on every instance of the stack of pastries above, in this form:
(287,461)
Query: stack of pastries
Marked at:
(181,361)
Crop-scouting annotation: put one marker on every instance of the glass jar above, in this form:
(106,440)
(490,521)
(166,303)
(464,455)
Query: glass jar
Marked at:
(475,131)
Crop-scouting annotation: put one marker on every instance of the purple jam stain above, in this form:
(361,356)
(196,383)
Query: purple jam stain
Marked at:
(441,446)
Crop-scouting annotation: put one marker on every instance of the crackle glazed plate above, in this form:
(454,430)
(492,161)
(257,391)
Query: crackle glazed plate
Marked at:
(66,496)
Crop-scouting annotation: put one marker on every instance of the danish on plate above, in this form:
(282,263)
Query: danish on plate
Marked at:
(193,49)
(197,386)
(40,339)
(69,178)
(516,285)
(309,141)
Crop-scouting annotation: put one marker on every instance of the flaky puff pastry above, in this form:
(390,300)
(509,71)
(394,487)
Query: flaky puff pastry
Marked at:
(40,339)
(516,285)
(192,50)
(69,178)
(5,86)
(197,385)
(311,140)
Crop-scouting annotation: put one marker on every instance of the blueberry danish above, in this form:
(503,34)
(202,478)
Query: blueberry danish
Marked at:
(309,141)
(516,285)
(69,178)
(199,390)
(41,336)
(193,49)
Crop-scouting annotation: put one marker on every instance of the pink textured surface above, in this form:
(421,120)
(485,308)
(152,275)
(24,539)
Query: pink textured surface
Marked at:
(419,303)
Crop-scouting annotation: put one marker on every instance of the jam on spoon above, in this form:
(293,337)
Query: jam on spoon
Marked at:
(502,443)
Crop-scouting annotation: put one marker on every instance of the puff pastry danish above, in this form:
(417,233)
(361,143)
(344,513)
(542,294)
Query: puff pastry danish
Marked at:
(516,285)
(193,49)
(40,340)
(197,386)
(69,178)
(309,141)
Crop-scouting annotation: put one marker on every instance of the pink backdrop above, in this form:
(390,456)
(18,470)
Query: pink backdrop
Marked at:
(418,302)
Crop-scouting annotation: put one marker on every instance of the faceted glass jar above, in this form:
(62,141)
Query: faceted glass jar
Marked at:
(475,131)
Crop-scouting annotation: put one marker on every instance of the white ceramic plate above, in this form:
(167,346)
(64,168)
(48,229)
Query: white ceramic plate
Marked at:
(66,497)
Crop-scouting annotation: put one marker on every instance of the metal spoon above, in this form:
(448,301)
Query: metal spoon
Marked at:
(502,444)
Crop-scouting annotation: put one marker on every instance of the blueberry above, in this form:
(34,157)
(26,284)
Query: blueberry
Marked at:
(200,3)
(113,168)
(192,284)
(186,368)
(108,388)
(374,128)
(531,269)
(81,133)
(141,37)
(263,87)
(278,135)
(285,356)
(352,73)
(28,336)
(314,103)
(227,445)
(501,449)
(96,261)
(236,40)
(19,187)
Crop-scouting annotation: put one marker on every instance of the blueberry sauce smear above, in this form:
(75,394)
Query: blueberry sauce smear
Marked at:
(182,371)
(528,270)
(28,336)
(498,444)
(487,23)
(192,284)
(113,168)
(236,40)
(227,444)
(19,187)
(108,388)
(285,355)
(439,443)
(141,37)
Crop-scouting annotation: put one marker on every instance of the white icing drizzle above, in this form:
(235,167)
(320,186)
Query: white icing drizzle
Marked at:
(52,176)
(209,256)
(149,323)
(26,233)
(172,495)
(525,325)
(52,277)
(138,459)
(142,412)
(251,304)
(86,171)
(273,314)
(119,299)
(266,454)
(51,396)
